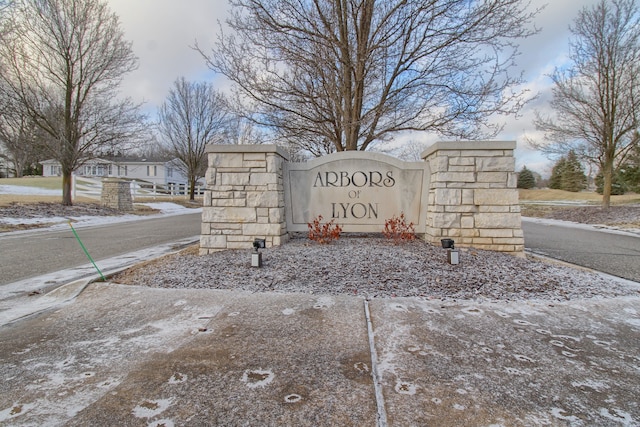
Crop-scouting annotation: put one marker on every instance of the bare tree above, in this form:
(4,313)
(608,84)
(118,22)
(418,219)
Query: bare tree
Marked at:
(63,61)
(596,99)
(18,136)
(352,72)
(193,115)
(5,22)
(411,151)
(241,127)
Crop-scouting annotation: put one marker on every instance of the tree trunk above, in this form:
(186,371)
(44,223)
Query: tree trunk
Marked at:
(607,175)
(192,189)
(18,168)
(66,188)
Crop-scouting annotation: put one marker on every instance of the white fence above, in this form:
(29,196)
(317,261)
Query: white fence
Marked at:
(92,188)
(86,187)
(148,189)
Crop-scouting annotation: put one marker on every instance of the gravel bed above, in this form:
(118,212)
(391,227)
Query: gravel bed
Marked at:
(374,267)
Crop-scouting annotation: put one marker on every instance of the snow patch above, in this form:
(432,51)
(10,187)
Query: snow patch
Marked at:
(257,377)
(15,411)
(28,191)
(151,408)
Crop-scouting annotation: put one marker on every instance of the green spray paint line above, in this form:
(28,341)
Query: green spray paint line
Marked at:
(86,252)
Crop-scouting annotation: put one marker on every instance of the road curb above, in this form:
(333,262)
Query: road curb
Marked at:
(56,298)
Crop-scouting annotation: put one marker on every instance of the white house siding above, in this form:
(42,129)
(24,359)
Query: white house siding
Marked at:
(155,172)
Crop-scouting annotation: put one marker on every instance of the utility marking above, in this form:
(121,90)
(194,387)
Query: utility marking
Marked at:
(382,413)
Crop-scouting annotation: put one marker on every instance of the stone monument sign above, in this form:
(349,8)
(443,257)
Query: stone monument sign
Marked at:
(463,190)
(357,190)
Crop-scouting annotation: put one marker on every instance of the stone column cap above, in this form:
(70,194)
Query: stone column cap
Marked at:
(468,145)
(247,148)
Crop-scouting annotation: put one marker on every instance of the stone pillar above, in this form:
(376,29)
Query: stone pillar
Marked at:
(473,197)
(116,194)
(244,198)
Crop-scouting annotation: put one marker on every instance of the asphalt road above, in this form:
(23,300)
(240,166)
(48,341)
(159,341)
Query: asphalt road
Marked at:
(35,253)
(32,254)
(615,254)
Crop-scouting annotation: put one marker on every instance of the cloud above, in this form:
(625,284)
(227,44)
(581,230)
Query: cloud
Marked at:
(163,31)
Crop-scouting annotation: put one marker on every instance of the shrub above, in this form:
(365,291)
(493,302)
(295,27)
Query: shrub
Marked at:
(323,232)
(396,228)
(526,179)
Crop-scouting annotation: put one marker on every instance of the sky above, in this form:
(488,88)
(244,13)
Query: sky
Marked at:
(163,33)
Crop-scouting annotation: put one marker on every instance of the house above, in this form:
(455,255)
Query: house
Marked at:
(159,171)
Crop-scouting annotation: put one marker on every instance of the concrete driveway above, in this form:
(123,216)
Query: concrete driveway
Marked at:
(125,355)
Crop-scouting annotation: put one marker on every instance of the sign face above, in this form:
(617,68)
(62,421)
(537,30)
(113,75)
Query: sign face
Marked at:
(359,191)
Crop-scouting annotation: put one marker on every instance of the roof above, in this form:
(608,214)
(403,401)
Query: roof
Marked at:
(120,160)
(137,159)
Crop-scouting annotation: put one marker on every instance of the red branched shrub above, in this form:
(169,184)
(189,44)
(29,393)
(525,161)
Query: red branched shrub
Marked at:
(323,232)
(396,228)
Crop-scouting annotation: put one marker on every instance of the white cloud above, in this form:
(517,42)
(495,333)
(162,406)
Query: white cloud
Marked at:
(163,32)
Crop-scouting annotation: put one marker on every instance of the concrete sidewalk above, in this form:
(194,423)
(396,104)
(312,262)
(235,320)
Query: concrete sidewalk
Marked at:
(125,355)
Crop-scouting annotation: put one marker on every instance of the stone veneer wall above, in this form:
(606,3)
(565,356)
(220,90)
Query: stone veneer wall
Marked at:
(244,199)
(473,197)
(116,194)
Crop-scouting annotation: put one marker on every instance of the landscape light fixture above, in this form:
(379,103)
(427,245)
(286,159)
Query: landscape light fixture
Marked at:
(256,255)
(453,256)
(447,243)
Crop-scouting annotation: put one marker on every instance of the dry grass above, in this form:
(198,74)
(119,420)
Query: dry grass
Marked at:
(50,183)
(5,228)
(143,210)
(191,250)
(583,196)
(541,211)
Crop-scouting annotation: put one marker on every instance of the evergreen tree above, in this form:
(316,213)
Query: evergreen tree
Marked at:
(630,171)
(618,186)
(526,179)
(568,174)
(555,182)
(573,177)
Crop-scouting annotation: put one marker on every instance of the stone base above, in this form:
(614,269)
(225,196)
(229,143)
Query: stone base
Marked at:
(116,194)
(244,199)
(473,197)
